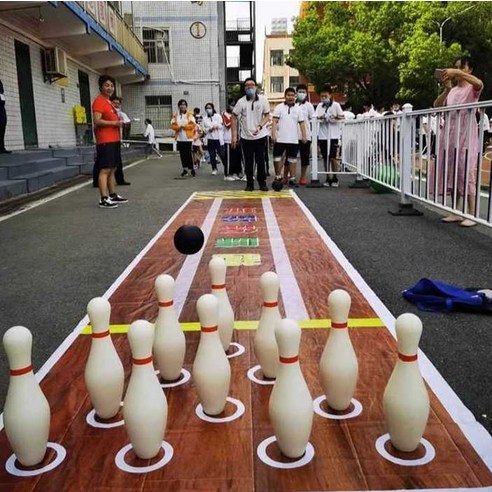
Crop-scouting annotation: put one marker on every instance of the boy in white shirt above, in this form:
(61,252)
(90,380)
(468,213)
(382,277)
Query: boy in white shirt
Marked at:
(304,147)
(288,121)
(329,114)
(150,134)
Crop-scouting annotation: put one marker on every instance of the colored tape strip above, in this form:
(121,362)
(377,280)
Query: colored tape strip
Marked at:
(218,286)
(252,325)
(270,304)
(166,304)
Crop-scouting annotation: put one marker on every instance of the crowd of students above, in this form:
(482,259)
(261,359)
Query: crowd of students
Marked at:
(241,134)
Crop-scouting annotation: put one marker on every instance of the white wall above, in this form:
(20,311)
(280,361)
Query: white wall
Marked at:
(193,72)
(54,118)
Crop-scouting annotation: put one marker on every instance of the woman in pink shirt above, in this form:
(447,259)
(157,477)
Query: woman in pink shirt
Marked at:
(467,90)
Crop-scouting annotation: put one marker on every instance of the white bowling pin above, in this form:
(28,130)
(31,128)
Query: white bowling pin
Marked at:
(211,368)
(338,367)
(405,400)
(266,350)
(26,414)
(169,340)
(217,268)
(104,374)
(145,404)
(291,405)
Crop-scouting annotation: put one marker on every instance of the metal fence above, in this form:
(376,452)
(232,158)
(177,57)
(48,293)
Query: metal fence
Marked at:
(437,156)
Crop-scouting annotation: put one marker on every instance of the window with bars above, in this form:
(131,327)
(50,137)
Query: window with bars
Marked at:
(276,58)
(156,44)
(293,82)
(159,109)
(277,84)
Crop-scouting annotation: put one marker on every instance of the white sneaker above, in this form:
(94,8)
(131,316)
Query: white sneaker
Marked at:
(335,184)
(235,177)
(244,178)
(327,185)
(214,172)
(229,178)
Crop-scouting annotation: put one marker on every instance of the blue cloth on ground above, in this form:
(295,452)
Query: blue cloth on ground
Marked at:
(436,296)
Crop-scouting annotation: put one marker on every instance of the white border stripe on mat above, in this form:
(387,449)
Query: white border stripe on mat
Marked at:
(58,353)
(291,294)
(478,436)
(190,265)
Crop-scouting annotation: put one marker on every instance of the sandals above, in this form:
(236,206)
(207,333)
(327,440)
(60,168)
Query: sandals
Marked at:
(451,219)
(468,223)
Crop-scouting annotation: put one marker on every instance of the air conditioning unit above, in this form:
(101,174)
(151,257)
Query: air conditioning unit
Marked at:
(55,62)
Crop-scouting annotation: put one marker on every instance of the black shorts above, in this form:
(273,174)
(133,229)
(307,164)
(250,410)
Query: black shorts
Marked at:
(323,147)
(289,148)
(108,155)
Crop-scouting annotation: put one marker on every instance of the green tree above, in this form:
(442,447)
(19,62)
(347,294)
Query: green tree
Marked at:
(379,52)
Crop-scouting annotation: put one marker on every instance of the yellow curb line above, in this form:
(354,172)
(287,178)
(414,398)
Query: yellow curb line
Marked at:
(251,325)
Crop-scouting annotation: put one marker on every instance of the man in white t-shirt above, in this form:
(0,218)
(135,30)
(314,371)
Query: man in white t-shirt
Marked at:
(329,114)
(304,147)
(151,144)
(288,120)
(253,111)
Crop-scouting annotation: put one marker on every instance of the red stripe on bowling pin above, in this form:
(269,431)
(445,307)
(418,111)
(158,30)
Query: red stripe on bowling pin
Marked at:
(142,362)
(218,286)
(407,358)
(209,329)
(20,372)
(270,304)
(339,325)
(100,335)
(166,303)
(289,360)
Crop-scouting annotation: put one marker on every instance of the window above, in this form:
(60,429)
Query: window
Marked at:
(276,58)
(156,44)
(277,84)
(293,82)
(159,109)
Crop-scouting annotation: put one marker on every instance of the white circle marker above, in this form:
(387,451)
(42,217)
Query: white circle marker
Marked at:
(252,376)
(91,420)
(429,455)
(218,420)
(123,465)
(185,377)
(303,460)
(240,350)
(11,467)
(357,410)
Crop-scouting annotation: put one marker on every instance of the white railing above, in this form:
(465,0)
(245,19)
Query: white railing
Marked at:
(433,156)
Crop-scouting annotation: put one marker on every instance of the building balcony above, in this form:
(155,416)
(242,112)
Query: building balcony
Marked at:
(93,33)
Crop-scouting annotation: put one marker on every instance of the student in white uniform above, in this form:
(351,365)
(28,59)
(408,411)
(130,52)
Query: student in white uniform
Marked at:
(329,114)
(253,110)
(288,121)
(212,127)
(304,147)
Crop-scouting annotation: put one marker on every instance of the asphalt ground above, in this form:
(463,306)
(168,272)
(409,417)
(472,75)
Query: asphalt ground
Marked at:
(57,256)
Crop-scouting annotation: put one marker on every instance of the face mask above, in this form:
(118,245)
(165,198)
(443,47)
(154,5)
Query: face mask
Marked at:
(301,96)
(250,92)
(326,101)
(210,112)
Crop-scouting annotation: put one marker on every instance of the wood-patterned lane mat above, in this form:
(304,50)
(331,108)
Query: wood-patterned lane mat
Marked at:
(215,457)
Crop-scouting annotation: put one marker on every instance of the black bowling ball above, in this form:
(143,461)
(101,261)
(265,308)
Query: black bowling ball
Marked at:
(277,185)
(189,239)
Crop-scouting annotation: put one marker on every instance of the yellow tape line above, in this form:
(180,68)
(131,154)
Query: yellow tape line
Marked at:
(242,195)
(251,325)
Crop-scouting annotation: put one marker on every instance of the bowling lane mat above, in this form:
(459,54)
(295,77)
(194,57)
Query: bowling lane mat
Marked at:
(255,232)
